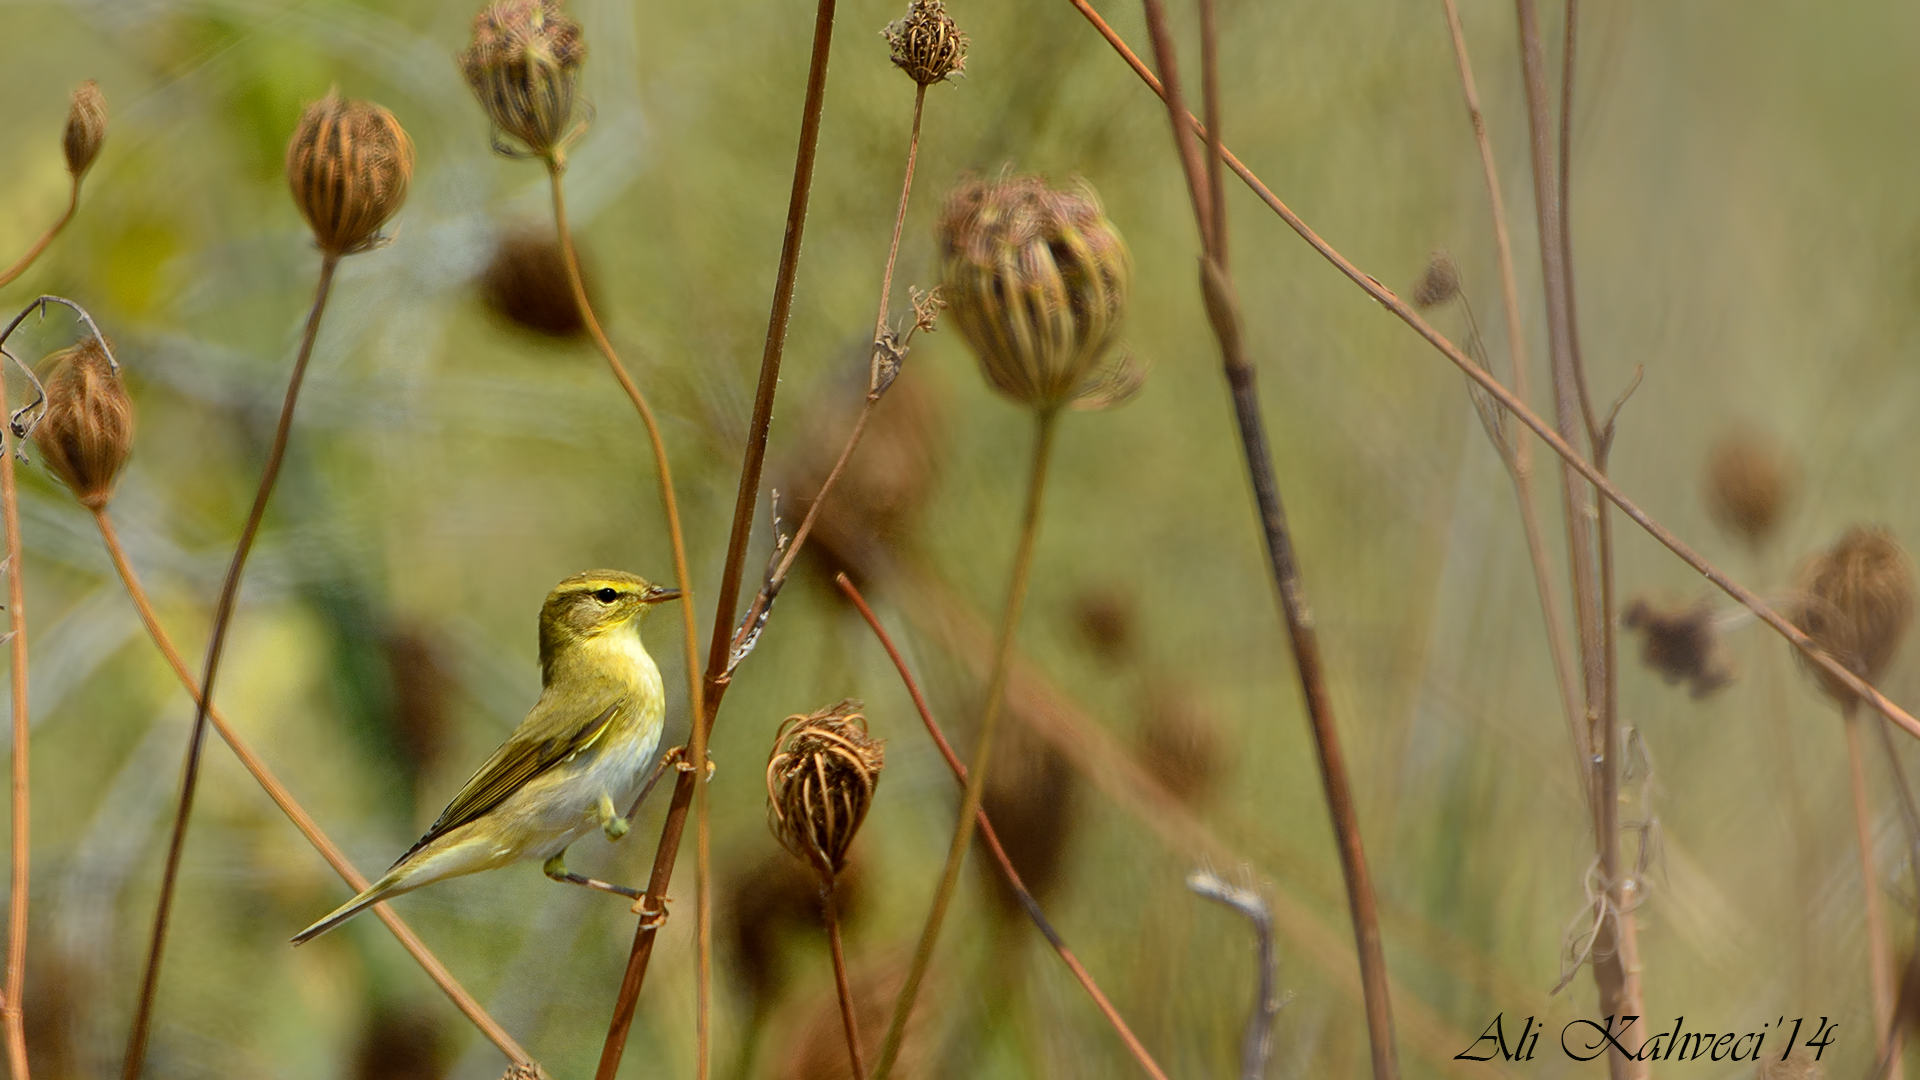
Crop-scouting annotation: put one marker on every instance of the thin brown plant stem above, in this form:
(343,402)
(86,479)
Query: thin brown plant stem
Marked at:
(216,644)
(1521,464)
(992,839)
(697,740)
(716,678)
(830,909)
(1223,313)
(1879,956)
(14,1005)
(20,266)
(900,215)
(291,807)
(1045,422)
(1403,311)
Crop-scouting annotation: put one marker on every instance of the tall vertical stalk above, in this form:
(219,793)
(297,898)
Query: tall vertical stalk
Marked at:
(13,1007)
(830,911)
(1879,950)
(1044,423)
(216,644)
(1223,313)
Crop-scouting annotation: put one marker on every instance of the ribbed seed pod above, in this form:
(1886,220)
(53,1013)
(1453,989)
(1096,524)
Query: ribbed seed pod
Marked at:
(86,128)
(1856,599)
(926,44)
(820,782)
(348,165)
(1037,279)
(86,432)
(521,65)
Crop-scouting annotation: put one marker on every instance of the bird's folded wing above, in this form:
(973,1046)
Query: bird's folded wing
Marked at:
(538,744)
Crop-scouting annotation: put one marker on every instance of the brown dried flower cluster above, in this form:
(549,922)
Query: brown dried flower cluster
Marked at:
(526,284)
(1749,484)
(1439,283)
(926,43)
(1856,599)
(1681,643)
(522,64)
(1037,279)
(86,128)
(348,164)
(820,782)
(86,433)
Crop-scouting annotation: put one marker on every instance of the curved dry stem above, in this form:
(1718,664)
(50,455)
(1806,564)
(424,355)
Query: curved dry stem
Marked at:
(13,1008)
(992,839)
(697,742)
(830,912)
(20,267)
(1406,314)
(222,619)
(296,813)
(989,720)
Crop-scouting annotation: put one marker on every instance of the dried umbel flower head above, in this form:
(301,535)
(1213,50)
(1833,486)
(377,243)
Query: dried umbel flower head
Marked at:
(820,782)
(522,64)
(1439,283)
(86,128)
(1105,617)
(526,284)
(348,165)
(1855,601)
(526,1070)
(1682,643)
(1037,279)
(1749,484)
(926,44)
(1180,745)
(86,432)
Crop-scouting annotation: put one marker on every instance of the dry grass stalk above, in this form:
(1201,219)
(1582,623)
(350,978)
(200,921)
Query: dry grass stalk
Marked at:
(12,1004)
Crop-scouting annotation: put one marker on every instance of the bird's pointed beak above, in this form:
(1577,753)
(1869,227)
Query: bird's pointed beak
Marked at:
(656,594)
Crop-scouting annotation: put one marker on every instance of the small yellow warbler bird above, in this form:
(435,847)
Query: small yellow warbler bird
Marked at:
(578,756)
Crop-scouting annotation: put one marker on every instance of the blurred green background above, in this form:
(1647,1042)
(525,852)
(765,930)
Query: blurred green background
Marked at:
(1745,229)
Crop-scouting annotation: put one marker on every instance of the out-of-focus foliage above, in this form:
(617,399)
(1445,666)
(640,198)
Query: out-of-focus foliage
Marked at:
(1745,228)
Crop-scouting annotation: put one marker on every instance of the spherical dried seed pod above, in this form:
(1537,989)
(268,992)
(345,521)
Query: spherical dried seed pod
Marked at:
(348,165)
(1439,283)
(926,44)
(86,128)
(521,65)
(1037,279)
(1856,599)
(526,284)
(1749,484)
(820,781)
(86,433)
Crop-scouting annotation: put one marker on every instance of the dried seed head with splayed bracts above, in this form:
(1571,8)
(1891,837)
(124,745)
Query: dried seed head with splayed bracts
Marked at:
(86,128)
(1855,601)
(820,782)
(86,432)
(522,65)
(348,164)
(1037,279)
(526,284)
(1439,283)
(926,43)
(1749,484)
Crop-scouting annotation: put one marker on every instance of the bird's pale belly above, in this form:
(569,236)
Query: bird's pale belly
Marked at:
(563,804)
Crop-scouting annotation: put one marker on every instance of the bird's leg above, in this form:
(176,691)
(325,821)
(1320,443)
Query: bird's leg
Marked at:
(556,868)
(676,758)
(611,822)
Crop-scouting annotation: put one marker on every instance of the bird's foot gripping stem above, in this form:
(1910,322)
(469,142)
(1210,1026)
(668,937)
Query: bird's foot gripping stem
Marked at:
(556,868)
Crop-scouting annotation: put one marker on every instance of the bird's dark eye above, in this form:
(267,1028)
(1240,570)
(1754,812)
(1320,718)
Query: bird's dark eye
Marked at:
(606,596)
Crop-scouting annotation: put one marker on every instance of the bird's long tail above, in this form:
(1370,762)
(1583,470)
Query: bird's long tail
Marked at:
(390,885)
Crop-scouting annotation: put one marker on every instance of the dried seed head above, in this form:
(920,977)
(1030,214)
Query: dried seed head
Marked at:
(1105,617)
(1682,643)
(526,284)
(348,165)
(529,1070)
(820,781)
(1037,280)
(1856,599)
(86,128)
(1749,484)
(926,44)
(1029,798)
(1439,283)
(1179,744)
(522,65)
(86,432)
